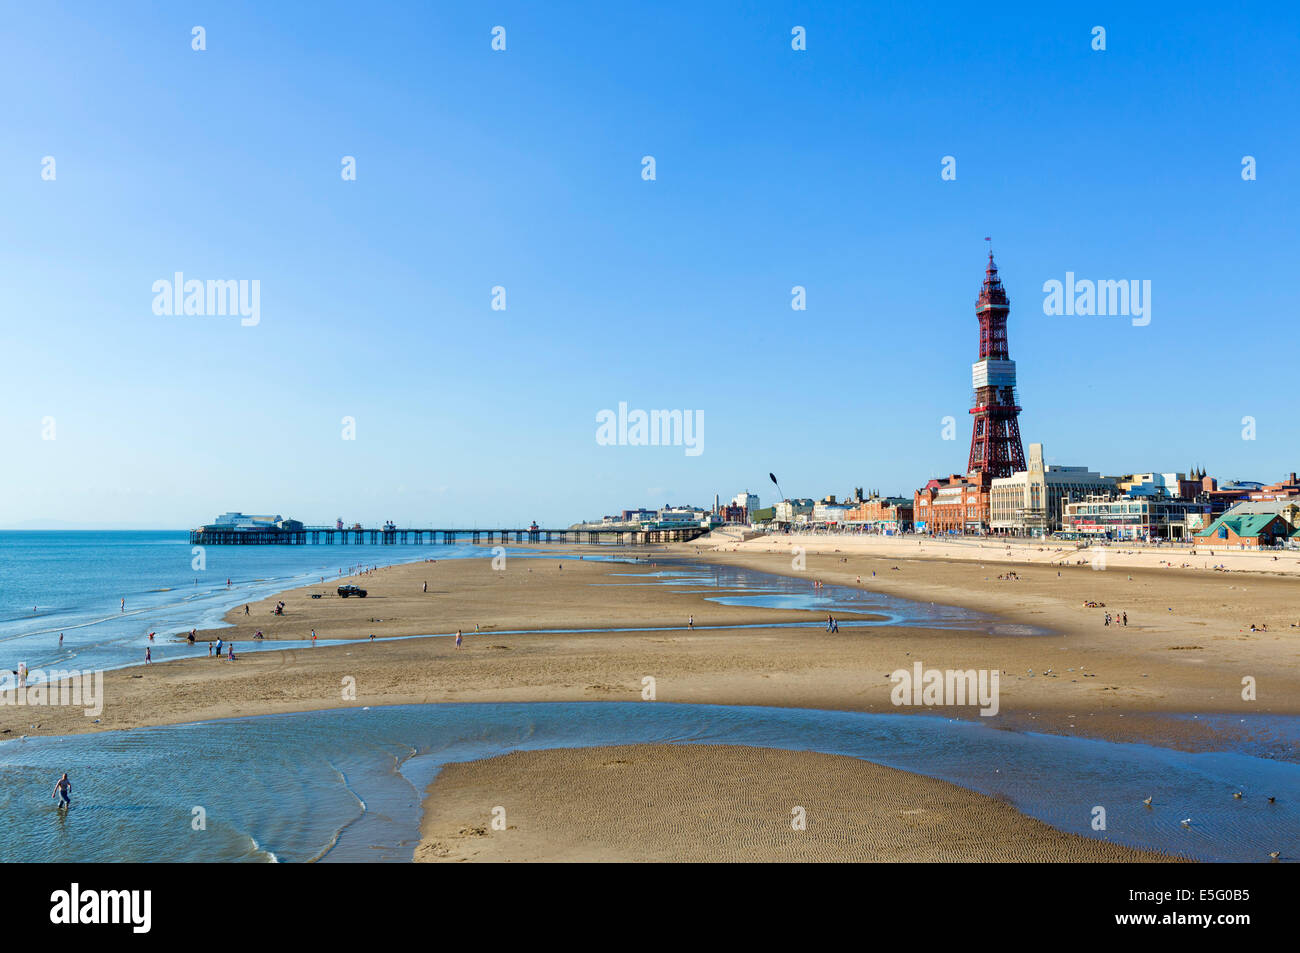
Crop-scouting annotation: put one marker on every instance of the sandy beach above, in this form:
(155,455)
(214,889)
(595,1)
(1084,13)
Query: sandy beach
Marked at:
(1185,650)
(701,803)
(1087,678)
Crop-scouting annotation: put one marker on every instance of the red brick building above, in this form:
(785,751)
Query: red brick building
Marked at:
(953,504)
(892,513)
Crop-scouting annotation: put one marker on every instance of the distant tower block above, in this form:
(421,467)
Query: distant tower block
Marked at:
(995,446)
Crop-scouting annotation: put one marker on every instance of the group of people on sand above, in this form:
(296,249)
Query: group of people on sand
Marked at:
(831,624)
(229,647)
(1009,576)
(1116,618)
(359,571)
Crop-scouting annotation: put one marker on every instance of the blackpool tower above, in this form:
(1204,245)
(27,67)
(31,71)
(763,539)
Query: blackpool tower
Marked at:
(995,446)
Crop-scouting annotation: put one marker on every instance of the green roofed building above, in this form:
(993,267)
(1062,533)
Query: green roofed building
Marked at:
(1248,531)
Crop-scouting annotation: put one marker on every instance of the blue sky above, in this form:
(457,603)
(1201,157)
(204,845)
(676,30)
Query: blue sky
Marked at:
(522,169)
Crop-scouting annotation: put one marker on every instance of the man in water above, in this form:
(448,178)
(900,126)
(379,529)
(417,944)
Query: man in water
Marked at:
(63,791)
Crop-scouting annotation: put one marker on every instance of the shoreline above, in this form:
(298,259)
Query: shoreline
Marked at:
(1110,694)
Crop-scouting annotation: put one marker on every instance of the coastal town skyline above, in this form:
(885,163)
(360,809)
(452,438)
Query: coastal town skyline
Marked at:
(379,380)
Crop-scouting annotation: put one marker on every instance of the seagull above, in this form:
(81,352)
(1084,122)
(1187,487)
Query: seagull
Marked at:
(1187,822)
(1146,801)
(1237,795)
(1275,854)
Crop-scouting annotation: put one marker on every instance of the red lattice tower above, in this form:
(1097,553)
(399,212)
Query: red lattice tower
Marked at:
(995,446)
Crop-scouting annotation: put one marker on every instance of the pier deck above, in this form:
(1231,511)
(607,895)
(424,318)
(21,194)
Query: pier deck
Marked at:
(325,536)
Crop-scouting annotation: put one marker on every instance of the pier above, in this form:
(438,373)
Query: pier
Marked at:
(330,535)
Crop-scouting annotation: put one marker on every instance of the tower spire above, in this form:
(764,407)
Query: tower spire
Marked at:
(995,448)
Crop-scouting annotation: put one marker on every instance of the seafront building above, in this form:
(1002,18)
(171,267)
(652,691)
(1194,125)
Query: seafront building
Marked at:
(1247,531)
(953,504)
(1135,518)
(830,512)
(791,511)
(1028,503)
(887,514)
(235,522)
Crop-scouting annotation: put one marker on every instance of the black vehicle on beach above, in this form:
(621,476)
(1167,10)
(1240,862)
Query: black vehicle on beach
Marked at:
(351,590)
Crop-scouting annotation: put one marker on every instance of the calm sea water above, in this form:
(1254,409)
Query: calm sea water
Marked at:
(73,583)
(348,784)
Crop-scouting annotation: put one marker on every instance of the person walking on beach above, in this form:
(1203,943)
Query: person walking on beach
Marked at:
(313,638)
(426,587)
(1126,620)
(690,622)
(458,639)
(148,655)
(63,791)
(245,610)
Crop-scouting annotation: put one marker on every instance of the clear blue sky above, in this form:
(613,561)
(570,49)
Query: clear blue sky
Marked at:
(523,169)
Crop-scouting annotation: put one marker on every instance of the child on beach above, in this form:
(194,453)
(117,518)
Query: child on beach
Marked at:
(458,638)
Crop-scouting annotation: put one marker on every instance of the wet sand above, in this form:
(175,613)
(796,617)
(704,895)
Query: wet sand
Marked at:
(699,803)
(1113,682)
